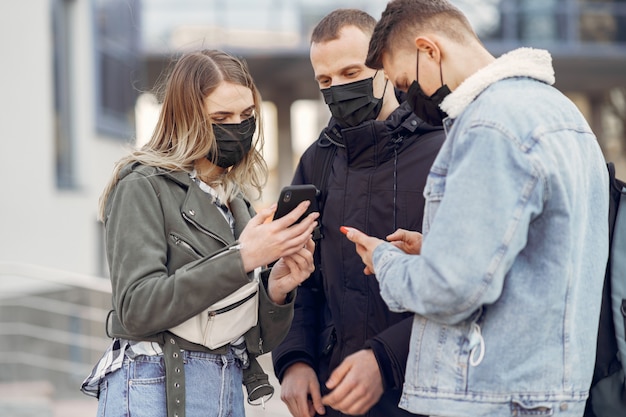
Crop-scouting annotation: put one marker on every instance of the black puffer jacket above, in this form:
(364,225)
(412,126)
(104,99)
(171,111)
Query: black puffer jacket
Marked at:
(375,184)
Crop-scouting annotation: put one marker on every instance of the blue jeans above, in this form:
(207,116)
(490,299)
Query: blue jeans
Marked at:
(213,387)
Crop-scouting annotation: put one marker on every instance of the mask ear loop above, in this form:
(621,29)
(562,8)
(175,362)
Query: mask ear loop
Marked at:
(417,64)
(417,67)
(384,88)
(440,73)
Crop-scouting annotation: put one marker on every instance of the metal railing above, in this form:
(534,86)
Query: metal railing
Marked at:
(51,326)
(52,334)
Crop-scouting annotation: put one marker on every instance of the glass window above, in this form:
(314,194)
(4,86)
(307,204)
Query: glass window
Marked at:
(63,135)
(116,25)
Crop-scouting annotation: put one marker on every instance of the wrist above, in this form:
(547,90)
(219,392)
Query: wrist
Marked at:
(275,295)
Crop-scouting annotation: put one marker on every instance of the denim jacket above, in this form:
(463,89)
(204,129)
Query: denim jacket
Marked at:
(506,291)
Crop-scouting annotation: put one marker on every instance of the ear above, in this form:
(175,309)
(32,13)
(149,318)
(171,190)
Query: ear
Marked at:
(428,46)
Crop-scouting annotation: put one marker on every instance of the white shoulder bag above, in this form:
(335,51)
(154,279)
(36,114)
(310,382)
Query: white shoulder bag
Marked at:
(226,320)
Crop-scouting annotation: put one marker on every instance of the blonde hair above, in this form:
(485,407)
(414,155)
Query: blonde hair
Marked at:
(184,133)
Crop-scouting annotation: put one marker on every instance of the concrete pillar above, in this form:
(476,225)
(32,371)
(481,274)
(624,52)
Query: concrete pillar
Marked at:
(285,150)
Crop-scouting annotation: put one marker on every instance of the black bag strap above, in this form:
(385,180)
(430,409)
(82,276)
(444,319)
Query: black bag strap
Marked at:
(322,162)
(323,157)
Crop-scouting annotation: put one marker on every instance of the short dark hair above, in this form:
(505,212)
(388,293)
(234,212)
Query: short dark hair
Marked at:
(329,27)
(402,16)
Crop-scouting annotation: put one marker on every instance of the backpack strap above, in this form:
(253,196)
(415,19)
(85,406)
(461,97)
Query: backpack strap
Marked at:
(323,157)
(617,259)
(322,162)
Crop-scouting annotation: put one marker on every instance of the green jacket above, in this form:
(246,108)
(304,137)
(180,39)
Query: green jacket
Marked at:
(162,232)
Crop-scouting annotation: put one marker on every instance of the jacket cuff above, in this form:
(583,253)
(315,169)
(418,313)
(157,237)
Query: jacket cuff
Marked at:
(285,361)
(384,364)
(391,348)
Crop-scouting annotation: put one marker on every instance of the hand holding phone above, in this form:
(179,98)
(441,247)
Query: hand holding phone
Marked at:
(292,195)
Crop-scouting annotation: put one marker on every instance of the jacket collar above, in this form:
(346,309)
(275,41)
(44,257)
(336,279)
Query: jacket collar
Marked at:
(373,142)
(522,62)
(201,211)
(209,217)
(198,209)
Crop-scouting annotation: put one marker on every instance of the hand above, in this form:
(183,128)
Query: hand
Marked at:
(290,271)
(300,382)
(356,384)
(263,242)
(408,242)
(365,246)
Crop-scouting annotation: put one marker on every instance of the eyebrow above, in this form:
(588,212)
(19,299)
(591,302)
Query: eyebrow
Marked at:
(229,113)
(341,70)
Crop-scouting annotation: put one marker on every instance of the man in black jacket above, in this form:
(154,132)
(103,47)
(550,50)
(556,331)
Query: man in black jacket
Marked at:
(346,352)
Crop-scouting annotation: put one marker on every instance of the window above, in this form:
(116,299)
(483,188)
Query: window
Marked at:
(117,27)
(63,135)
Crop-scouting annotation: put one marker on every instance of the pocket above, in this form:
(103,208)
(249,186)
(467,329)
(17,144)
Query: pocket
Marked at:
(146,386)
(327,341)
(185,246)
(433,193)
(518,410)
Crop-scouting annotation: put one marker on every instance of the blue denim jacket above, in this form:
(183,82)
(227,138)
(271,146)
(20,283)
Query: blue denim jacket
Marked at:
(508,284)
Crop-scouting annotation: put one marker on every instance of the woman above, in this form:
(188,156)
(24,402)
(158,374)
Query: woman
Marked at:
(182,236)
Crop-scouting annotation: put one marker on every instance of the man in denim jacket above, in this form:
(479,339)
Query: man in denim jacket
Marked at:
(506,285)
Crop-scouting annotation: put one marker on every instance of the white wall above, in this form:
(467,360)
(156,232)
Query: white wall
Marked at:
(40,224)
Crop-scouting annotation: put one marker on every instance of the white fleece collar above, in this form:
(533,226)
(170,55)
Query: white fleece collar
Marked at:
(522,62)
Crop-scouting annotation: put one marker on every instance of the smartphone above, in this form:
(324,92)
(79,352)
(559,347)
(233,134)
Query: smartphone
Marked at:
(292,195)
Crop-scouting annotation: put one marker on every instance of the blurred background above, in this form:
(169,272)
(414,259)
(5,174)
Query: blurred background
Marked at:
(76,82)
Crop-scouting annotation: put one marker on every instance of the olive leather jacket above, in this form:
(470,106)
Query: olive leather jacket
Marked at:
(162,237)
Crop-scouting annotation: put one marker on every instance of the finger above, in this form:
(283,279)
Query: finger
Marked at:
(297,274)
(306,253)
(341,397)
(300,267)
(310,245)
(291,217)
(350,397)
(301,262)
(399,234)
(306,226)
(354,235)
(296,403)
(294,240)
(316,398)
(299,407)
(356,405)
(263,215)
(338,375)
(361,251)
(363,254)
(397,243)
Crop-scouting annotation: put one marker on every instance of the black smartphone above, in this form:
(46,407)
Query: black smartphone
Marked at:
(292,195)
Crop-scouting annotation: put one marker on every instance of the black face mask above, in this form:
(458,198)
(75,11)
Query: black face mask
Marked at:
(353,103)
(425,107)
(234,141)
